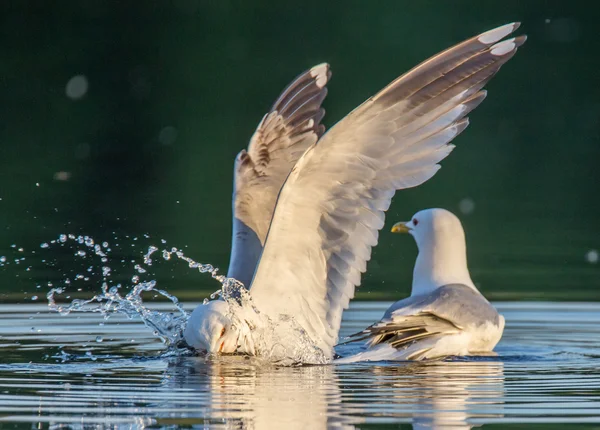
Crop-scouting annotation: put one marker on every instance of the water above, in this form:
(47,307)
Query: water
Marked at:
(82,371)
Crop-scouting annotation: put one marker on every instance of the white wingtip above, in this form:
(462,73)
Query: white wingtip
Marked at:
(496,34)
(320,72)
(503,47)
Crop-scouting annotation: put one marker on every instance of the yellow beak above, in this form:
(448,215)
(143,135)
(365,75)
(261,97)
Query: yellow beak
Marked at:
(400,227)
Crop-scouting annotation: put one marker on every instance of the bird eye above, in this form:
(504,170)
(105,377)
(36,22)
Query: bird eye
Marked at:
(222,332)
(415,221)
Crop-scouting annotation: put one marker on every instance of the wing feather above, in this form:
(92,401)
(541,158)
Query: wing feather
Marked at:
(447,310)
(285,132)
(332,205)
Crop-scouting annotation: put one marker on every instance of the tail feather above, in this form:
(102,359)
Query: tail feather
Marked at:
(404,331)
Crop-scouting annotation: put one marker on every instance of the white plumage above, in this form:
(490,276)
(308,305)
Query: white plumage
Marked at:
(331,207)
(445,313)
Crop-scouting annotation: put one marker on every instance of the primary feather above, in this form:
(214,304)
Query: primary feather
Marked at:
(292,124)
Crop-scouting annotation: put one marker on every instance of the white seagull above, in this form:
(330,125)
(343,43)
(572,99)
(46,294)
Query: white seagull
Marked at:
(328,213)
(445,314)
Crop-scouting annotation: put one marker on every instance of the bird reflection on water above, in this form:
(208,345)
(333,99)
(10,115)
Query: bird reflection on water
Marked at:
(244,393)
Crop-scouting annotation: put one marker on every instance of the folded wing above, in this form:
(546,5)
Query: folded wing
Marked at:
(450,309)
(332,205)
(290,127)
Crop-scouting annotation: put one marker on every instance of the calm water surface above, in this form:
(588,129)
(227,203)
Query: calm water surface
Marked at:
(80,371)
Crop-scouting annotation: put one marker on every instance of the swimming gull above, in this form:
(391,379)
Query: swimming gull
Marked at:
(331,206)
(445,313)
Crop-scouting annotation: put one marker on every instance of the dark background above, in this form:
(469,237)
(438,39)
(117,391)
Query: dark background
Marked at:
(128,116)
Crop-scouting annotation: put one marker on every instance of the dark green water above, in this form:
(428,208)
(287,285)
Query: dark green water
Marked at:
(175,89)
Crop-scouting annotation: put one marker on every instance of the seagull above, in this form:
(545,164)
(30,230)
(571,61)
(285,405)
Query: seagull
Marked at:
(445,315)
(300,266)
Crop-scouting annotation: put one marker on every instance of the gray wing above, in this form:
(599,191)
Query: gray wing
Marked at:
(446,310)
(285,132)
(333,203)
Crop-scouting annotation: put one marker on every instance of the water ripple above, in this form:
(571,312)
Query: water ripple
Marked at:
(55,372)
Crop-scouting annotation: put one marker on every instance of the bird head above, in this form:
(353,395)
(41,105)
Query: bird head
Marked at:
(209,328)
(430,226)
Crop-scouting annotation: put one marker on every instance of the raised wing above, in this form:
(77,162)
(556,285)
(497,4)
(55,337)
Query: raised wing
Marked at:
(332,205)
(290,127)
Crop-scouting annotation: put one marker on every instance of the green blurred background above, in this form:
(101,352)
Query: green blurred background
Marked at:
(128,116)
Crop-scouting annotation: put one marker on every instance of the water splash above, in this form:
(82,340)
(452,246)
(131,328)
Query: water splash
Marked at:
(278,340)
(127,300)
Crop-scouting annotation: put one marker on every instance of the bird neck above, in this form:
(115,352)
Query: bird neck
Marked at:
(441,262)
(245,253)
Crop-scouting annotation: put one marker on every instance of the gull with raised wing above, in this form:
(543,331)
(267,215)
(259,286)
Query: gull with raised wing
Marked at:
(445,315)
(331,207)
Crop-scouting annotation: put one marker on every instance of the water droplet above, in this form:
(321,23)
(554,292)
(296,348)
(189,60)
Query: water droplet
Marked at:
(34,298)
(105,244)
(76,87)
(167,135)
(88,241)
(592,256)
(3,259)
(80,253)
(62,176)
(99,339)
(44,245)
(466,206)
(135,279)
(62,238)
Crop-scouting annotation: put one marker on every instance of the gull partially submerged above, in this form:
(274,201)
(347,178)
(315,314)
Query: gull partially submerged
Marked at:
(300,250)
(445,313)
